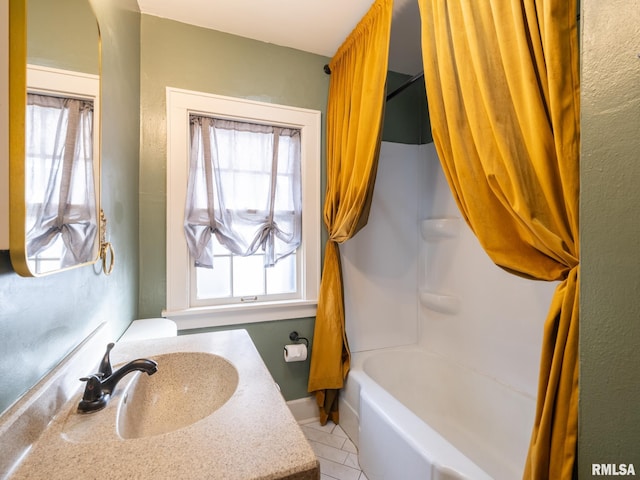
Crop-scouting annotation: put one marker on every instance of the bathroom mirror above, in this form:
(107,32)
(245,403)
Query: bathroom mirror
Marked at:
(54,126)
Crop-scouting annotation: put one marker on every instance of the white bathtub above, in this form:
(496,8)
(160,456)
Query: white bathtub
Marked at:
(414,415)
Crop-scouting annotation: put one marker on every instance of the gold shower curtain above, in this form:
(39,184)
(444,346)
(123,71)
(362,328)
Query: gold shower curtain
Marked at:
(354,117)
(503,91)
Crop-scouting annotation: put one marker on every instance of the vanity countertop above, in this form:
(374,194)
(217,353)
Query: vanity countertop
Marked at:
(252,436)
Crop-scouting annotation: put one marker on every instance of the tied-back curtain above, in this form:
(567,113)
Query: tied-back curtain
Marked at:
(354,118)
(61,190)
(244,187)
(503,90)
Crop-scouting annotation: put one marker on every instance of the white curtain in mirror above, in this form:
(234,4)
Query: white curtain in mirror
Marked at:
(61,209)
(244,188)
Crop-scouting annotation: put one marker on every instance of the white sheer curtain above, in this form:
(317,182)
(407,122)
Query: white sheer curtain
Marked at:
(244,188)
(60,186)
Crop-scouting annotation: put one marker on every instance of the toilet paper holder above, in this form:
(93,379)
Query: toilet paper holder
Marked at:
(294,337)
(296,352)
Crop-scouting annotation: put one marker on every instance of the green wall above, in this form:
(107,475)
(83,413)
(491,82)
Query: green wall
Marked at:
(406,117)
(183,56)
(43,319)
(609,426)
(192,58)
(63,34)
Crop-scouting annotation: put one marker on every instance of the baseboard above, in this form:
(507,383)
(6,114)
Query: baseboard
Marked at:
(304,409)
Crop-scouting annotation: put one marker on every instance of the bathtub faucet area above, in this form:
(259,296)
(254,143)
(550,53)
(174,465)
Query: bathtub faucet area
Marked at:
(101,385)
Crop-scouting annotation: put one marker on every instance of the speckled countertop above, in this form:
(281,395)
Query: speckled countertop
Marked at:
(252,436)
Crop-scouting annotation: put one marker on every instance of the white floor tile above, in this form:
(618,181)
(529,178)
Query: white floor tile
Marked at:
(348,446)
(323,437)
(328,427)
(337,431)
(329,453)
(338,471)
(352,460)
(337,454)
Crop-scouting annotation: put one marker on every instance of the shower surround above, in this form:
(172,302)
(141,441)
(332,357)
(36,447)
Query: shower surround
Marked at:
(428,285)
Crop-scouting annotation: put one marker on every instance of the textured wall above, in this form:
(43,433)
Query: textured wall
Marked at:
(193,58)
(610,235)
(43,319)
(76,49)
(182,56)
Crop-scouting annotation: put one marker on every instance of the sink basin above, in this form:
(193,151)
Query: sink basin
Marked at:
(187,387)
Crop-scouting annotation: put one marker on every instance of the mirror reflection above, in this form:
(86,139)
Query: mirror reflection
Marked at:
(61,221)
(60,180)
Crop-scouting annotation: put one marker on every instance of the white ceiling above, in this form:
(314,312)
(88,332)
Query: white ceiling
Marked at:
(316,26)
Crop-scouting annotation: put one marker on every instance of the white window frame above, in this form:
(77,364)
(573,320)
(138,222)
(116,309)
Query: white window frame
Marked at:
(180,103)
(70,84)
(78,85)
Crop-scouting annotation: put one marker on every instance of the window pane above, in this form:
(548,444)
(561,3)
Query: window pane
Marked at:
(251,191)
(281,278)
(49,258)
(248,276)
(285,194)
(219,249)
(214,282)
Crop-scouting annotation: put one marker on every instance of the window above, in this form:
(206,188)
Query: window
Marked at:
(254,216)
(61,165)
(61,218)
(243,210)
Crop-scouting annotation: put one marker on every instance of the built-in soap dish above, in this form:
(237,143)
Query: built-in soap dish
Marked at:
(440,302)
(437,228)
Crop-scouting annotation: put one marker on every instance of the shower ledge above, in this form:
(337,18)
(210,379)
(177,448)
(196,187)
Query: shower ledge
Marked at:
(440,302)
(440,228)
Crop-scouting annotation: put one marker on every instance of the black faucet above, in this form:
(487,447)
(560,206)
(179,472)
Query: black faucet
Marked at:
(100,385)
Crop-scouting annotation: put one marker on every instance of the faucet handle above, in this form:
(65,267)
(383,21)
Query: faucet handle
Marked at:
(94,398)
(105,365)
(93,389)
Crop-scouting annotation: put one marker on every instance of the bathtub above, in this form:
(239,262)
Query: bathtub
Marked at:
(415,415)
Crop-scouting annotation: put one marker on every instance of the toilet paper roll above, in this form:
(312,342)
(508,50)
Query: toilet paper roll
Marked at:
(295,353)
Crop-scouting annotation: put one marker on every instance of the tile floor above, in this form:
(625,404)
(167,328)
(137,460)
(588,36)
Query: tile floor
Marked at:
(337,454)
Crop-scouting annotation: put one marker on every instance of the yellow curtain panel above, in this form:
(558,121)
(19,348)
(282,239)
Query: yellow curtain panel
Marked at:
(503,91)
(354,118)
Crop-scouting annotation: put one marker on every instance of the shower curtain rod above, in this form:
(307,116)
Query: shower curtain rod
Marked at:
(401,88)
(405,85)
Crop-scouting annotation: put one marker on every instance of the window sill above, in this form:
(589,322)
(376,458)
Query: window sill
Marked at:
(225,315)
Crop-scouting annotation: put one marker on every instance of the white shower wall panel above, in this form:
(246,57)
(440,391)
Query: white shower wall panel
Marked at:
(379,264)
(498,329)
